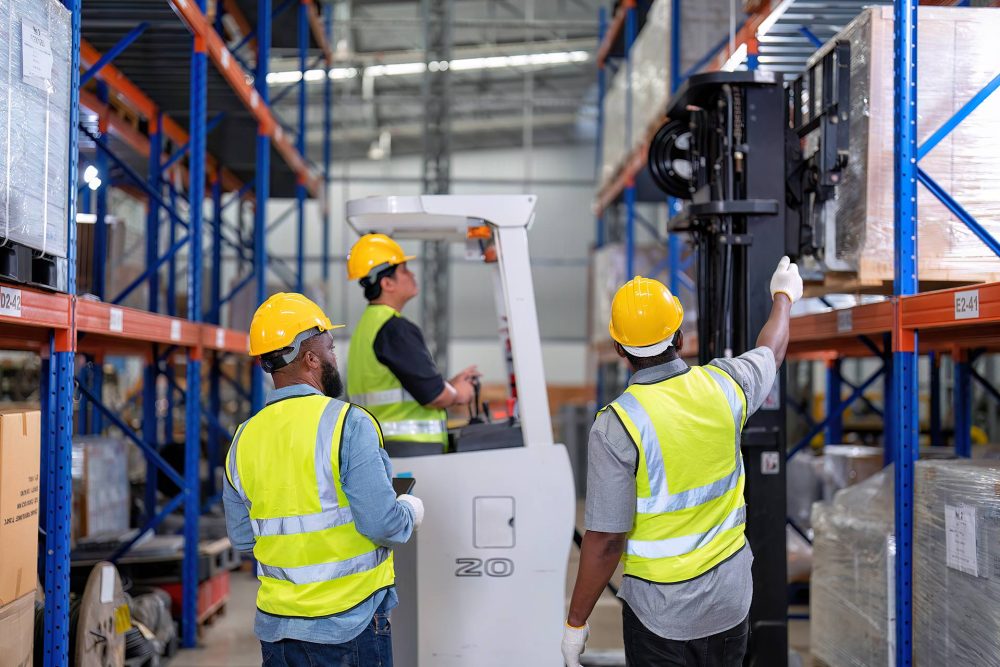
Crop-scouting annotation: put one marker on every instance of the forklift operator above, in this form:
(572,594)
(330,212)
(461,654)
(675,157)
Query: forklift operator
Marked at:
(665,485)
(389,368)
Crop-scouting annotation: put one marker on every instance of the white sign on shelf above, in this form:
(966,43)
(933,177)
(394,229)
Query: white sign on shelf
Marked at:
(220,338)
(117,320)
(175,329)
(960,538)
(967,305)
(845,320)
(36,54)
(10,302)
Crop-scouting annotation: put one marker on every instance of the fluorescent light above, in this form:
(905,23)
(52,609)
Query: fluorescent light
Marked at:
(86,218)
(736,59)
(94,183)
(410,69)
(772,18)
(90,173)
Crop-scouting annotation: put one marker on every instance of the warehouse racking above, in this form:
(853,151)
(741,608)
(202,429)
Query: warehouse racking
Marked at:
(61,326)
(962,322)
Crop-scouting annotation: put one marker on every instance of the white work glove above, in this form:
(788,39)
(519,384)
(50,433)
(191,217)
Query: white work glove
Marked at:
(574,643)
(786,280)
(416,505)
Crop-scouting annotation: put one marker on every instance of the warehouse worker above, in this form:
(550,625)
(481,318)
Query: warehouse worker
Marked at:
(309,491)
(389,368)
(665,486)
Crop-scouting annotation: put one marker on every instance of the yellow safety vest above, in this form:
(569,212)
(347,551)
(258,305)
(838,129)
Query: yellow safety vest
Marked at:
(372,385)
(285,464)
(690,511)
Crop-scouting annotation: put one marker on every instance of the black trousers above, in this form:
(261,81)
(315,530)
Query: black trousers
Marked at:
(644,648)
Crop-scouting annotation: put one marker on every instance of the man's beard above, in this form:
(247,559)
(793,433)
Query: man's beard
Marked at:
(333,386)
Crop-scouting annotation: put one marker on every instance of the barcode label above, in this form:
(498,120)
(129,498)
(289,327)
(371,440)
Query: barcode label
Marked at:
(967,305)
(175,330)
(845,320)
(117,320)
(220,338)
(10,302)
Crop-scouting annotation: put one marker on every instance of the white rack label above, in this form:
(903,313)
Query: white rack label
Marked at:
(967,305)
(116,320)
(36,54)
(254,99)
(10,302)
(220,338)
(224,59)
(175,329)
(845,320)
(960,538)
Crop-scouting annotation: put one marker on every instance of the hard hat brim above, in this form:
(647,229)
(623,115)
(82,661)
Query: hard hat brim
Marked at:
(650,350)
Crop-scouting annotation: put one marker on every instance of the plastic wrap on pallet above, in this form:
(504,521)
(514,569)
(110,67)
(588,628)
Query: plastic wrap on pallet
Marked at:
(852,625)
(805,486)
(613,132)
(956,560)
(34,123)
(101,491)
(956,59)
(650,72)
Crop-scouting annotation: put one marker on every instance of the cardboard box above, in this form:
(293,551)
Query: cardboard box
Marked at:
(17,631)
(20,463)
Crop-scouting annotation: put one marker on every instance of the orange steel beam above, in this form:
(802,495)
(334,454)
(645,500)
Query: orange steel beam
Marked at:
(319,34)
(614,28)
(743,36)
(199,26)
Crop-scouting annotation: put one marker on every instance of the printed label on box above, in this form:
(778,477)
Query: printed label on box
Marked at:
(116,320)
(10,302)
(175,330)
(960,538)
(36,54)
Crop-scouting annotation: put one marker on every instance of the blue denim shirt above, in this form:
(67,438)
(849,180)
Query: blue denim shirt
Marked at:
(366,476)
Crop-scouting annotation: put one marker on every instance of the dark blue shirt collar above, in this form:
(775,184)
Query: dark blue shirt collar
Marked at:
(658,373)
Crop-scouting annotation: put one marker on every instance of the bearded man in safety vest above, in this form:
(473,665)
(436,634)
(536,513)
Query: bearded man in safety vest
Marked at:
(389,368)
(665,486)
(309,491)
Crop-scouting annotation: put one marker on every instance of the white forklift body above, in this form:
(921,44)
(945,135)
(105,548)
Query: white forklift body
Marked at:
(484,582)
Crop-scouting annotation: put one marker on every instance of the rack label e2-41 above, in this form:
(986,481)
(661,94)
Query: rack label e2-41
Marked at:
(10,302)
(967,305)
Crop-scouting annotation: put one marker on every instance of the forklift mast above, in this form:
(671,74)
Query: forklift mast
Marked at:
(733,148)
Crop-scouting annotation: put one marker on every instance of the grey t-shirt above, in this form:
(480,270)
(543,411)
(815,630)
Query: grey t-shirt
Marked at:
(719,599)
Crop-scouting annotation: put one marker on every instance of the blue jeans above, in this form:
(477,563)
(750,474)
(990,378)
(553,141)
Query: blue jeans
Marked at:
(372,648)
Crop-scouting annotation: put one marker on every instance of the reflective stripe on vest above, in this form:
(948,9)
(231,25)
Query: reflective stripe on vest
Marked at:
(412,427)
(372,384)
(303,527)
(311,574)
(387,397)
(683,533)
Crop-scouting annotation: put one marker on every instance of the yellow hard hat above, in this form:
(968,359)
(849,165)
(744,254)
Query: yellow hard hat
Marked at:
(644,313)
(374,251)
(281,318)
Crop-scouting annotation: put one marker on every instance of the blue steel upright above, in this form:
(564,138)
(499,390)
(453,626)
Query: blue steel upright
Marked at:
(150,424)
(962,394)
(834,409)
(327,143)
(215,317)
(903,409)
(192,431)
(57,387)
(262,187)
(300,186)
(100,225)
(602,29)
(631,26)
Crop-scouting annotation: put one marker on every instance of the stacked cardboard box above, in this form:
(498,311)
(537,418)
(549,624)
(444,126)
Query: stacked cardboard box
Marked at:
(20,463)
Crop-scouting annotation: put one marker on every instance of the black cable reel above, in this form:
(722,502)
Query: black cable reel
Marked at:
(669,159)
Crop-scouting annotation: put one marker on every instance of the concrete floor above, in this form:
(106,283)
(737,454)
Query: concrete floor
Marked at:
(230,642)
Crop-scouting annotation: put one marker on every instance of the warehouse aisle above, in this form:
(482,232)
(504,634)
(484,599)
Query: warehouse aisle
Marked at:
(229,641)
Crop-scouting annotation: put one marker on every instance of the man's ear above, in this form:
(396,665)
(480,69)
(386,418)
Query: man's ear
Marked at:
(619,350)
(679,341)
(386,282)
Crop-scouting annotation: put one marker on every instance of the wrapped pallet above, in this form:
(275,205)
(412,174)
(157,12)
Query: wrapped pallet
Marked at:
(613,134)
(34,123)
(852,620)
(650,73)
(956,59)
(956,563)
(101,491)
